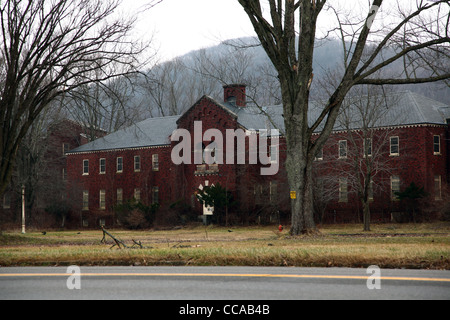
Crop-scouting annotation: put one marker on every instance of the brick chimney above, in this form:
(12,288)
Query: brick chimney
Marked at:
(235,94)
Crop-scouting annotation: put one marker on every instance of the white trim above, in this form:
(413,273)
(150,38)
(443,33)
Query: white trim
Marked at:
(83,171)
(394,154)
(434,152)
(346,149)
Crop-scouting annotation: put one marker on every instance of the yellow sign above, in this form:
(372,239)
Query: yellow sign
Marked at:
(293,194)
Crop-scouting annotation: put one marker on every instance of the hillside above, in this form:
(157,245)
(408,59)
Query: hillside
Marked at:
(239,61)
(172,87)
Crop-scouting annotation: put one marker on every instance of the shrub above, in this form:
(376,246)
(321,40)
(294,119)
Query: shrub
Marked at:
(136,215)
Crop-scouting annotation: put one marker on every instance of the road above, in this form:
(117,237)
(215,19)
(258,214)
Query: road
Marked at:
(220,283)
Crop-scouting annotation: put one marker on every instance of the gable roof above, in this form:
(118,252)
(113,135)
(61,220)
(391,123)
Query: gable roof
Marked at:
(224,106)
(397,109)
(148,133)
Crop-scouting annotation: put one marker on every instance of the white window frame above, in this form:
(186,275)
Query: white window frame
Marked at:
(85,200)
(394,154)
(343,143)
(395,187)
(119,199)
(155,162)
(137,194)
(119,164)
(102,167)
(102,200)
(343,190)
(368,150)
(438,145)
(137,163)
(85,172)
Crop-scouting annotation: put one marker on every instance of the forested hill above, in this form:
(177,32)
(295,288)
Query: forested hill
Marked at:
(172,87)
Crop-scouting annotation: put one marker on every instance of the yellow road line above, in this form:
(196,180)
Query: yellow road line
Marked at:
(292,276)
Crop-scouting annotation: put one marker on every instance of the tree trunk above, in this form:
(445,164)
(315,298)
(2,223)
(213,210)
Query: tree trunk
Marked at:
(299,172)
(366,215)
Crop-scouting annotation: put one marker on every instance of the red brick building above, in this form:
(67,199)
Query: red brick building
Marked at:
(136,163)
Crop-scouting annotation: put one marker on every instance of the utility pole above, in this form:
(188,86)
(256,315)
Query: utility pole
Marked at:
(23,209)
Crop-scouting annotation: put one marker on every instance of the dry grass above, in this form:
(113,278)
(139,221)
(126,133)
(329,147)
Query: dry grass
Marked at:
(388,246)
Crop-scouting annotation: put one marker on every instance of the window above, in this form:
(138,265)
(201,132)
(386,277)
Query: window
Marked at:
(119,164)
(155,195)
(102,166)
(137,164)
(155,162)
(102,204)
(343,149)
(7,201)
(137,194)
(395,187)
(437,145)
(119,196)
(343,190)
(368,147)
(85,167)
(437,187)
(395,146)
(85,200)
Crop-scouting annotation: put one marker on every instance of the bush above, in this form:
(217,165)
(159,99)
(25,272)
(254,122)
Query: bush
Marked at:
(136,215)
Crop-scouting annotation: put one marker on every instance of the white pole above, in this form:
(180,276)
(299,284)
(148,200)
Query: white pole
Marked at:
(23,209)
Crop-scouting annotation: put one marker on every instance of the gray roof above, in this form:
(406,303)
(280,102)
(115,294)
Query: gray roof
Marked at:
(395,109)
(400,108)
(148,133)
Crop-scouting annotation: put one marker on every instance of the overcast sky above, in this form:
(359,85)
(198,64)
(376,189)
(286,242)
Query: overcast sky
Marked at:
(180,26)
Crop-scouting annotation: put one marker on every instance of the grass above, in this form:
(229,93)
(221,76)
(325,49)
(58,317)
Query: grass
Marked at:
(425,246)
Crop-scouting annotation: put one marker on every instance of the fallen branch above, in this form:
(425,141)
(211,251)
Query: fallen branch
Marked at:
(117,241)
(138,243)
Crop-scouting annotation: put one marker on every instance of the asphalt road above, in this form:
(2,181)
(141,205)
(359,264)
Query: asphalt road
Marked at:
(221,283)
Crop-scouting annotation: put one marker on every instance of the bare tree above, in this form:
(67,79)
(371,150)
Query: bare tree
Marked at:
(363,117)
(107,106)
(287,31)
(166,87)
(49,49)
